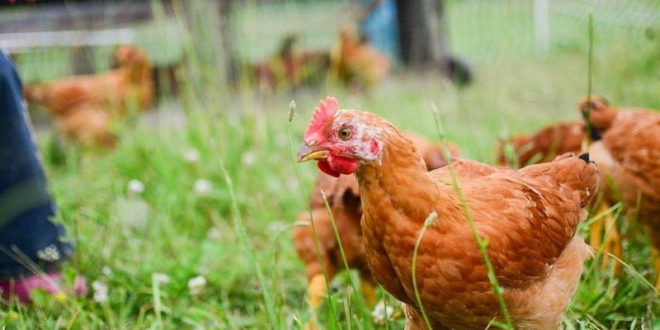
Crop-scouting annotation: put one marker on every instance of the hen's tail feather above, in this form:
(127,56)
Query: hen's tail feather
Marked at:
(583,177)
(585,157)
(577,173)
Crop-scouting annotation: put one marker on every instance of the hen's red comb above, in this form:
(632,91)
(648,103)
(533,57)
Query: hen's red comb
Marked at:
(323,114)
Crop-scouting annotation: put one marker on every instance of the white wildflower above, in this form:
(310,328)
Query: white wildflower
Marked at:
(214,233)
(160,278)
(276,226)
(379,312)
(191,156)
(196,285)
(49,253)
(132,212)
(135,187)
(203,187)
(106,271)
(100,291)
(249,158)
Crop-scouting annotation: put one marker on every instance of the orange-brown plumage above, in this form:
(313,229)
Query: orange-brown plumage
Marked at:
(626,146)
(544,145)
(84,106)
(528,216)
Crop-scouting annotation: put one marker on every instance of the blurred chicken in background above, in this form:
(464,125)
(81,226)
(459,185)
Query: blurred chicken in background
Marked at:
(352,62)
(355,63)
(542,146)
(625,143)
(85,106)
(289,68)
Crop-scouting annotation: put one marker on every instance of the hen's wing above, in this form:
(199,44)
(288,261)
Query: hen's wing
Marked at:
(465,169)
(528,216)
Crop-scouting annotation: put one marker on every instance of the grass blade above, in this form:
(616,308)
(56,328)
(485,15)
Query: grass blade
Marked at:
(430,220)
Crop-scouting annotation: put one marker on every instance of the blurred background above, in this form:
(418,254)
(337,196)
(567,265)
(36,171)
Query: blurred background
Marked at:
(208,145)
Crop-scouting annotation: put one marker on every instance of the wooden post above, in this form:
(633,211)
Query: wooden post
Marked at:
(227,40)
(82,59)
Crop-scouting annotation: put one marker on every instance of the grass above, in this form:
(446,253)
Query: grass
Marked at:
(122,239)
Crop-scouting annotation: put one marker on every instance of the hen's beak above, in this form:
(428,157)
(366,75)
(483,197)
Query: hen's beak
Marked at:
(307,153)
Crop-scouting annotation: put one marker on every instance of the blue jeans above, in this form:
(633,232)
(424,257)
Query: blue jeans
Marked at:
(29,240)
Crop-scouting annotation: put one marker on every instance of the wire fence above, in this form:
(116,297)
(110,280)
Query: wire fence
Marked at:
(482,30)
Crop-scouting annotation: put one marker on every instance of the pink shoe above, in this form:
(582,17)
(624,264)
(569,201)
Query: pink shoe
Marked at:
(51,282)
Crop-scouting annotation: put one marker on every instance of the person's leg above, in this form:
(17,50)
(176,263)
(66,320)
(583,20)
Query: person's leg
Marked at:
(30,243)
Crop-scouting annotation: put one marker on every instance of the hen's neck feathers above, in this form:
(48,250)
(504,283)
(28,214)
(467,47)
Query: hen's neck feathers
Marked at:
(400,180)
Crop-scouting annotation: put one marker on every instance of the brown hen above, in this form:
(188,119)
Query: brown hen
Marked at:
(544,145)
(626,146)
(289,68)
(355,63)
(344,200)
(528,216)
(85,106)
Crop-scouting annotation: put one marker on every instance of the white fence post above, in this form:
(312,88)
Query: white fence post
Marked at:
(542,26)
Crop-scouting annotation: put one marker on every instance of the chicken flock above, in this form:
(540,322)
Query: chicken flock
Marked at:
(85,107)
(381,191)
(378,188)
(351,61)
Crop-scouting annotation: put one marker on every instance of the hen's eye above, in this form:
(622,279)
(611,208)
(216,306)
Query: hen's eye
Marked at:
(344,134)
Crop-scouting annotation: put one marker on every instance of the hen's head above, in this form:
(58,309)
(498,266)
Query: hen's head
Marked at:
(126,55)
(598,113)
(341,139)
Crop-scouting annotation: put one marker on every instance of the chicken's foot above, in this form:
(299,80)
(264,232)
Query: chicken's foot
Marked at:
(655,254)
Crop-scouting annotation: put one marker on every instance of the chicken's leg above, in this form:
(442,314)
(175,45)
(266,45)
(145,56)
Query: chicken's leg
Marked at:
(655,254)
(368,288)
(605,231)
(595,234)
(613,245)
(316,290)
